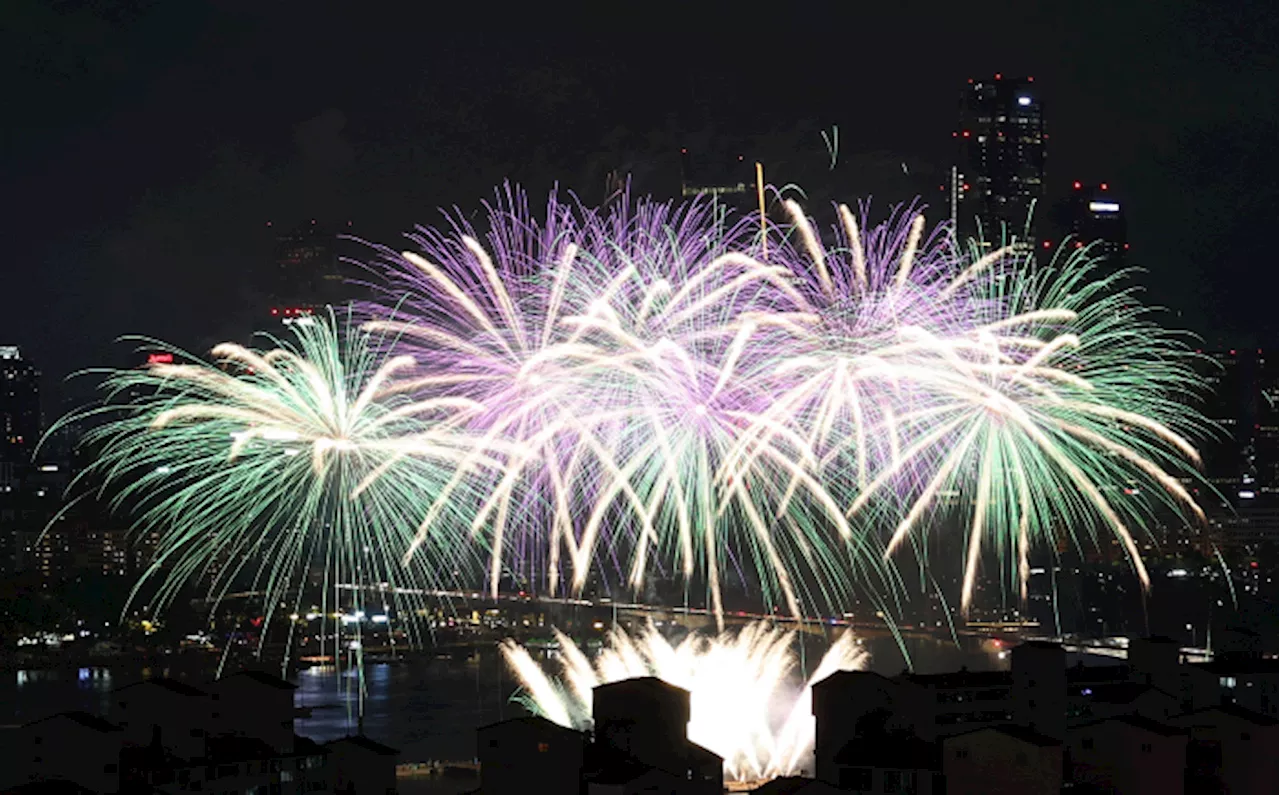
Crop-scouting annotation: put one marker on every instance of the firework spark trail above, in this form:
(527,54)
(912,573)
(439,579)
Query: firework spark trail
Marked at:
(253,458)
(637,397)
(686,397)
(736,682)
(993,361)
(638,387)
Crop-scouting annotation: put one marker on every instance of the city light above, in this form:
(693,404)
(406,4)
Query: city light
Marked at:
(631,459)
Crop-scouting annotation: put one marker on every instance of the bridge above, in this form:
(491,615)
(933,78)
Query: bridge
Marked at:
(702,618)
(693,618)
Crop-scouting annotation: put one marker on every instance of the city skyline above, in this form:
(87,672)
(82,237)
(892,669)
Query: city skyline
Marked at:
(305,269)
(998,177)
(888,405)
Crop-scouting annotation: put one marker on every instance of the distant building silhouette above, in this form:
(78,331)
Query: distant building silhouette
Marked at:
(1229,749)
(307,270)
(1000,156)
(20,423)
(254,704)
(1019,730)
(890,762)
(72,746)
(514,752)
(1129,754)
(843,704)
(164,714)
(640,744)
(1091,216)
(645,720)
(359,765)
(1243,463)
(1002,760)
(165,736)
(1040,687)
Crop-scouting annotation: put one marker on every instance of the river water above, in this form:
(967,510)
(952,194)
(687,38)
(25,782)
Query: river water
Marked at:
(428,707)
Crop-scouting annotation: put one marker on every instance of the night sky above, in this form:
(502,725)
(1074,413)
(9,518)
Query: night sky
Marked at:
(146,145)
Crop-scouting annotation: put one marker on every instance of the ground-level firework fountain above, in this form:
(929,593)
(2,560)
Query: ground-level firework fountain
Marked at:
(750,701)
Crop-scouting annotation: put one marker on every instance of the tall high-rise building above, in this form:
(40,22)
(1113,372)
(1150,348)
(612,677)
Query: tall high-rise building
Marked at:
(307,268)
(1240,461)
(19,415)
(1225,402)
(1266,417)
(998,176)
(1241,402)
(1093,216)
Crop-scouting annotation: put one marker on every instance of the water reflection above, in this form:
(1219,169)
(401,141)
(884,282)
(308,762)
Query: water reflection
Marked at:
(430,708)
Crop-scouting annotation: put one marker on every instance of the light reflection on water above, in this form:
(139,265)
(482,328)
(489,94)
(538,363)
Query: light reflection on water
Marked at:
(427,707)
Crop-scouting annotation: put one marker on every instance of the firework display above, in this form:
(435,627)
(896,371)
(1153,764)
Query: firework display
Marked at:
(641,388)
(246,465)
(746,702)
(676,397)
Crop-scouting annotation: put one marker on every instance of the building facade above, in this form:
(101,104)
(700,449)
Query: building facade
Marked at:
(20,423)
(307,268)
(1002,760)
(1008,731)
(164,736)
(1092,219)
(514,752)
(1229,750)
(998,177)
(639,744)
(1128,754)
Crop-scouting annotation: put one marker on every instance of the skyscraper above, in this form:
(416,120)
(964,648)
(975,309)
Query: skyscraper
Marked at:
(19,414)
(999,172)
(1225,402)
(1241,402)
(307,270)
(1092,216)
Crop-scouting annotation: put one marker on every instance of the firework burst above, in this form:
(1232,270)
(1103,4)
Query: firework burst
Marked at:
(246,465)
(640,388)
(747,701)
(1032,399)
(623,352)
(675,398)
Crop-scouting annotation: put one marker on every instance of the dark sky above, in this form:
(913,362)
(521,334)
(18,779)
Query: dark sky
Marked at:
(145,145)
